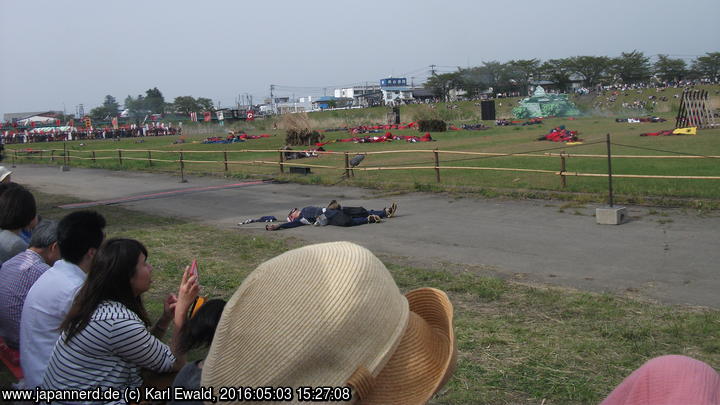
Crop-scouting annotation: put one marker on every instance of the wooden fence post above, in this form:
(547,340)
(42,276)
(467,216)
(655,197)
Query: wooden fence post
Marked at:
(437,165)
(563,180)
(150,158)
(14,157)
(182,169)
(609,161)
(52,155)
(347,165)
(226,164)
(282,160)
(93,157)
(120,156)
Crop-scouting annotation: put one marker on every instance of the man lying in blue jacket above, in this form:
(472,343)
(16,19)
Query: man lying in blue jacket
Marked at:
(333,214)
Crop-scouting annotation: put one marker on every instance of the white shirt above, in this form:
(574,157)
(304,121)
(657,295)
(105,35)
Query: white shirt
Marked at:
(46,305)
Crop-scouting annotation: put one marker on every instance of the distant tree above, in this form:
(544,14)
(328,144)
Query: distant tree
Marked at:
(492,73)
(473,80)
(557,71)
(519,72)
(108,110)
(668,69)
(442,84)
(186,104)
(708,66)
(136,107)
(591,68)
(97,114)
(111,105)
(632,67)
(154,101)
(205,104)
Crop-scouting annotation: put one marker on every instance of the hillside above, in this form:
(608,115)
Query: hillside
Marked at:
(630,103)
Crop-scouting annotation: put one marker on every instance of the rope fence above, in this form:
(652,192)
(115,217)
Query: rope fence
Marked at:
(432,163)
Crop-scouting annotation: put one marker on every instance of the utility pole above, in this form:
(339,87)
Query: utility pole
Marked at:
(272,98)
(432,70)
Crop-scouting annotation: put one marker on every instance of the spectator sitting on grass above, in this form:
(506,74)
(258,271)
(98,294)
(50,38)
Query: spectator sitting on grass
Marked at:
(331,315)
(17,212)
(197,333)
(20,273)
(105,339)
(79,235)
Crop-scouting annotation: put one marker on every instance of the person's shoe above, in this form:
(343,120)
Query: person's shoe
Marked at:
(390,212)
(374,219)
(334,205)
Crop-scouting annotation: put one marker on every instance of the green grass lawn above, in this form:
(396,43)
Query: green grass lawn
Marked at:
(517,343)
(245,161)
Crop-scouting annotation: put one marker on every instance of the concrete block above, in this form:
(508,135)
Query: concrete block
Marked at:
(610,215)
(300,170)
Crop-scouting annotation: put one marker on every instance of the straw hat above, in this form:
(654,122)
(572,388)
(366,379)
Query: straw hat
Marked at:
(331,315)
(4,172)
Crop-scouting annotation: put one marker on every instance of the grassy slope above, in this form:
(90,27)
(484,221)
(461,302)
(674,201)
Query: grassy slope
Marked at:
(517,343)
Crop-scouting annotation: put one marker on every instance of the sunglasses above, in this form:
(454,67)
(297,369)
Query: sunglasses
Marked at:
(291,212)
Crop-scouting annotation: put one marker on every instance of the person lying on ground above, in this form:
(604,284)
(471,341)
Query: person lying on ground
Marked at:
(334,214)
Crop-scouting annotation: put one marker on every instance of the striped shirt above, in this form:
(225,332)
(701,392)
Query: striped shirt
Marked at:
(17,275)
(108,353)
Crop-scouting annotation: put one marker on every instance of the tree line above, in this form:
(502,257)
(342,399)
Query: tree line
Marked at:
(628,68)
(152,102)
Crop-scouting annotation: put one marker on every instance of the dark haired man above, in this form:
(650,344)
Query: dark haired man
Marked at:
(79,235)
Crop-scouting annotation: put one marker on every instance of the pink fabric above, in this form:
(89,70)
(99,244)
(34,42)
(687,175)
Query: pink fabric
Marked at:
(668,380)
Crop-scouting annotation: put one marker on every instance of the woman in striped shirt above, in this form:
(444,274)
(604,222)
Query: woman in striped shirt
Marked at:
(105,339)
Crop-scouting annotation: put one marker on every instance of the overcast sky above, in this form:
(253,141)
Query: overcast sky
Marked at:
(58,54)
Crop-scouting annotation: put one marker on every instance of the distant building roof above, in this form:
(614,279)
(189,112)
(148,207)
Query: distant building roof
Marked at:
(22,115)
(423,93)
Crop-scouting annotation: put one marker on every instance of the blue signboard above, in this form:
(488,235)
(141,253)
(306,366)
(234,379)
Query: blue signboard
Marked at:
(393,81)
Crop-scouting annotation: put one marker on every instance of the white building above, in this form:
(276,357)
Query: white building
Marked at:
(395,89)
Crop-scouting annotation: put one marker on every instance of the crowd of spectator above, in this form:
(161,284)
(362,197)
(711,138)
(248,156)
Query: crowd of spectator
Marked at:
(53,134)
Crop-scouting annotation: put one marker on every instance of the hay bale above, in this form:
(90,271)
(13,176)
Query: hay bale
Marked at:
(432,126)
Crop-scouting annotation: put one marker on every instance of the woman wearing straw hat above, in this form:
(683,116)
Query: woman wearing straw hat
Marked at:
(330,315)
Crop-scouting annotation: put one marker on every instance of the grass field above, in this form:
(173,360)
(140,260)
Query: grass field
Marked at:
(244,162)
(517,343)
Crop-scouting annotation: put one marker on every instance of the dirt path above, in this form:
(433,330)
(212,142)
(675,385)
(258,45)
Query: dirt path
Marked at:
(668,255)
